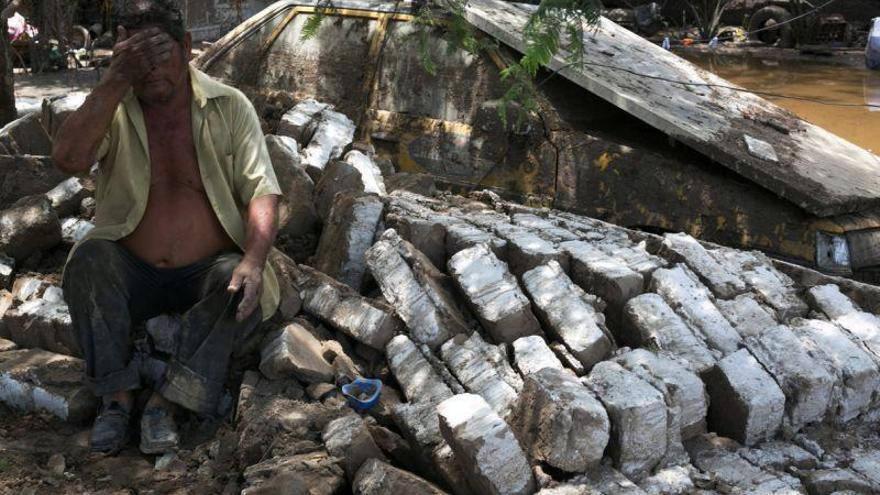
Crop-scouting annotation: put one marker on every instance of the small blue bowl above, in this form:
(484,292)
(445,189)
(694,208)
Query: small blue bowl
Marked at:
(372,388)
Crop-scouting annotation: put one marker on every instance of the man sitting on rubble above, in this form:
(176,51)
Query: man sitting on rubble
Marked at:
(186,216)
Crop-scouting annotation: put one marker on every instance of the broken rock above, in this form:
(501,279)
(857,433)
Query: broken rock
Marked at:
(494,294)
(369,322)
(22,176)
(379,478)
(295,352)
(347,236)
(333,132)
(483,369)
(654,322)
(638,418)
(532,354)
(417,378)
(806,384)
(602,275)
(568,312)
(682,248)
(297,215)
(349,439)
(485,447)
(745,403)
(857,374)
(681,289)
(32,226)
(420,294)
(37,380)
(560,422)
(67,197)
(297,122)
(314,473)
(683,389)
(25,136)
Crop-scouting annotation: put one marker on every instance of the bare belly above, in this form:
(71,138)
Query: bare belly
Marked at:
(178,228)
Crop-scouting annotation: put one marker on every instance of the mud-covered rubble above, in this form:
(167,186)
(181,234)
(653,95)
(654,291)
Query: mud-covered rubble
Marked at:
(521,350)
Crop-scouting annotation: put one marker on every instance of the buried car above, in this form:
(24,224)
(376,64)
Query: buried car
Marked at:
(636,135)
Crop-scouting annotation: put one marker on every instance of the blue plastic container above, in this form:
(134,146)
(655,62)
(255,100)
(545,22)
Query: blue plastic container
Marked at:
(354,391)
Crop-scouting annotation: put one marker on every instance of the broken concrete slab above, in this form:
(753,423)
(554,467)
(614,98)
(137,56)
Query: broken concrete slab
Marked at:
(747,315)
(35,380)
(568,313)
(417,378)
(494,294)
(681,387)
(599,274)
(294,352)
(26,136)
(297,122)
(485,447)
(33,226)
(483,369)
(339,178)
(379,478)
(368,322)
(746,403)
(347,236)
(807,386)
(532,354)
(653,322)
(638,418)
(692,300)
(857,375)
(560,422)
(296,216)
(419,292)
(333,132)
(349,439)
(314,473)
(682,248)
(67,197)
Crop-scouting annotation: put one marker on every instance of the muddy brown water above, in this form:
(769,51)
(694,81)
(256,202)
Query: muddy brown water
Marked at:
(827,81)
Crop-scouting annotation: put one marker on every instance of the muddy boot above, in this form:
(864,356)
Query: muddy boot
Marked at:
(158,431)
(110,430)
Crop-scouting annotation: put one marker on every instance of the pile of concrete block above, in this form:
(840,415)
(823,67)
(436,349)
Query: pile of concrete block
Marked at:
(521,350)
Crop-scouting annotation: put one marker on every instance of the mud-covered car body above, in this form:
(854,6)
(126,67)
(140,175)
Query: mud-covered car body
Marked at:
(587,150)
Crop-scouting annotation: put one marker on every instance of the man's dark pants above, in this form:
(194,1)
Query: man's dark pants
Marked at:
(108,289)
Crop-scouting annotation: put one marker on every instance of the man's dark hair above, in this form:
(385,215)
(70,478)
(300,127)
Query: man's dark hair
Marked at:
(164,14)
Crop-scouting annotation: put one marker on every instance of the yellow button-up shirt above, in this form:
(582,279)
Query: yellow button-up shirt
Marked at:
(233,161)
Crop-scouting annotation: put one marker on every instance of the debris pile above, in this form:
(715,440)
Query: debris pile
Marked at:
(521,350)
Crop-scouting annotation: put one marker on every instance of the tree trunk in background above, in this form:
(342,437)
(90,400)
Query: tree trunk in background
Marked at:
(7,84)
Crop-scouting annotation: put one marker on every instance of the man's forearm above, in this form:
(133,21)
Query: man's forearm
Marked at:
(77,142)
(262,228)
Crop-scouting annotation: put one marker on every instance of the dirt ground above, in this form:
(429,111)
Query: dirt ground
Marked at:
(28,444)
